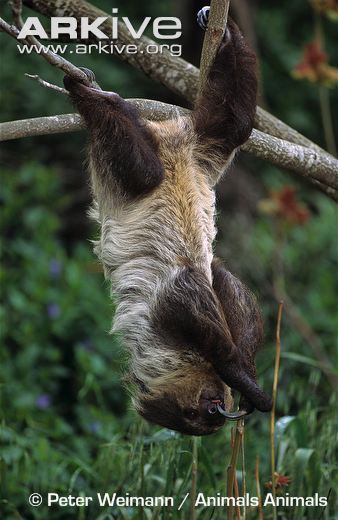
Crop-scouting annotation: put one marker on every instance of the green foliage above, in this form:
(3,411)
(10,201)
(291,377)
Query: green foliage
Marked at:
(59,368)
(66,425)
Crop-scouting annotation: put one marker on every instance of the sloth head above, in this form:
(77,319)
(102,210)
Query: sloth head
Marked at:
(186,403)
(203,345)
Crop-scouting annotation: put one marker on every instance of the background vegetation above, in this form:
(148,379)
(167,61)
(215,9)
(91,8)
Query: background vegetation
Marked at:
(66,423)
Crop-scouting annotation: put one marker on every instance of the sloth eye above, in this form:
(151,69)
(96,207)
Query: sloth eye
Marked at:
(190,413)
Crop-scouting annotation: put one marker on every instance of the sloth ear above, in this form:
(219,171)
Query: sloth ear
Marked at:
(189,312)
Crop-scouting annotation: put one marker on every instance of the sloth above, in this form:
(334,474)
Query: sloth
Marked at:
(191,328)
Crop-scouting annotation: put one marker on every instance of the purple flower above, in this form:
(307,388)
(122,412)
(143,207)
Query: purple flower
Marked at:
(87,344)
(94,427)
(53,310)
(54,268)
(43,401)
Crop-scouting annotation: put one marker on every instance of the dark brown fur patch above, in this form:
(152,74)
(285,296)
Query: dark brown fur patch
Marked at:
(225,112)
(241,310)
(224,329)
(244,319)
(123,148)
(167,412)
(189,312)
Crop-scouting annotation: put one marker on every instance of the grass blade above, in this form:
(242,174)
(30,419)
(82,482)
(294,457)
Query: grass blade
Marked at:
(273,411)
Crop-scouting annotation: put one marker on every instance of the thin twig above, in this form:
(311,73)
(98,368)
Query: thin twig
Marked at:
(230,506)
(236,493)
(243,474)
(321,516)
(273,411)
(325,110)
(258,490)
(16,6)
(236,489)
(214,33)
(47,84)
(194,465)
(49,56)
(324,95)
(232,465)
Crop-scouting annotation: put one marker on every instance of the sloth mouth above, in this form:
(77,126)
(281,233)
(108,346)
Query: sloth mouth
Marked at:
(232,416)
(213,404)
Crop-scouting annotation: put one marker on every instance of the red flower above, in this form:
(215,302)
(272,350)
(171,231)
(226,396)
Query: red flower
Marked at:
(315,67)
(284,204)
(289,207)
(281,481)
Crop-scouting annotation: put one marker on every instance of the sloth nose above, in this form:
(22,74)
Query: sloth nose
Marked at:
(212,408)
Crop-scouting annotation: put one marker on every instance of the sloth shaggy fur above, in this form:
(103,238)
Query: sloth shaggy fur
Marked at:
(191,328)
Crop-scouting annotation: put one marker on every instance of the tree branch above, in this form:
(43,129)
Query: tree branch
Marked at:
(64,123)
(281,153)
(214,33)
(300,159)
(38,126)
(175,73)
(319,167)
(266,122)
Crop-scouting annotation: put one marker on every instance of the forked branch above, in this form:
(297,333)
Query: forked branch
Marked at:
(312,163)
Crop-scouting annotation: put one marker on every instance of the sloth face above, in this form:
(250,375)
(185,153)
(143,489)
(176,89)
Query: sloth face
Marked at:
(188,403)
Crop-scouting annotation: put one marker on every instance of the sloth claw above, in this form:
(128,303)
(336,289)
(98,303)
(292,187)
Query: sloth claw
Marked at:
(232,416)
(78,88)
(89,73)
(203,17)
